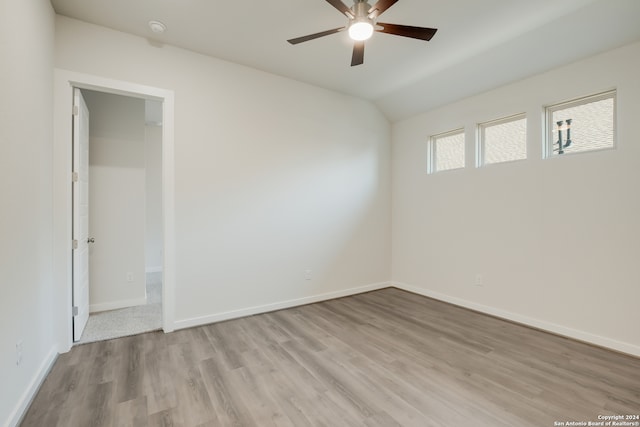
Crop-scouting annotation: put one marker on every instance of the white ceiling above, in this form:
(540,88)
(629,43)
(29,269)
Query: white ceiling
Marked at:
(480,44)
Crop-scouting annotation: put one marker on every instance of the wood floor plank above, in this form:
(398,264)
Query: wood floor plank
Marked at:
(130,370)
(193,399)
(349,389)
(265,409)
(288,402)
(98,407)
(158,383)
(228,407)
(166,418)
(132,413)
(383,358)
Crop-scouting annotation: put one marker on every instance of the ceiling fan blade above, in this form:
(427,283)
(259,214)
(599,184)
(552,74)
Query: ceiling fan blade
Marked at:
(315,36)
(407,31)
(379,8)
(342,8)
(358,53)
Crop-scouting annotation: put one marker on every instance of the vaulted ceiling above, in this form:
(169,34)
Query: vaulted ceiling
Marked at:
(480,44)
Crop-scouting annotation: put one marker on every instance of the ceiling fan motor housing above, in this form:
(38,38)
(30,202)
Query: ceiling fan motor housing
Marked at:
(361,12)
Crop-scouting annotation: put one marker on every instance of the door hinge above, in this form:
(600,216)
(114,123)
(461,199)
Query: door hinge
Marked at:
(76,110)
(75,244)
(74,310)
(75,177)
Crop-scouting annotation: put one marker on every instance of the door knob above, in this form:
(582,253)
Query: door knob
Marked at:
(91,240)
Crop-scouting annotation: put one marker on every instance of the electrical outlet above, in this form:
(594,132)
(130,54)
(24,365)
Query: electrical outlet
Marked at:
(307,275)
(479,280)
(130,277)
(19,349)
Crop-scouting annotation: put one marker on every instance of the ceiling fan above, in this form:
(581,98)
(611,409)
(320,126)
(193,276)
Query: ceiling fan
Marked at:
(363,22)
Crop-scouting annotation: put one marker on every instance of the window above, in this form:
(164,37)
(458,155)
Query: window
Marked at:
(446,151)
(502,140)
(584,124)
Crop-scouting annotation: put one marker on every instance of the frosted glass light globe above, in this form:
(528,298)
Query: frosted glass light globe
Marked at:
(360,31)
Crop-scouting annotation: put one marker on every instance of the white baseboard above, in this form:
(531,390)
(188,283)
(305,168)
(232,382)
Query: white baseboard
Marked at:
(234,314)
(114,305)
(154,269)
(25,400)
(587,337)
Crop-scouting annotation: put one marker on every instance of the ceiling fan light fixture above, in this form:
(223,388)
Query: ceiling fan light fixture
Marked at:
(363,21)
(360,30)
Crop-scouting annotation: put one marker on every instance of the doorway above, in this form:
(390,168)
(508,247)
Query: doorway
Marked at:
(64,83)
(124,216)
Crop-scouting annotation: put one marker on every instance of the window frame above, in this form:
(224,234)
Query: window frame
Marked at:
(481,141)
(548,143)
(432,150)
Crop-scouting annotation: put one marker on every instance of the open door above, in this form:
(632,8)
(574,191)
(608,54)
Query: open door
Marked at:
(80,278)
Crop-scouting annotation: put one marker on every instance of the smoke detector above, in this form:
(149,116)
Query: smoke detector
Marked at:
(157,27)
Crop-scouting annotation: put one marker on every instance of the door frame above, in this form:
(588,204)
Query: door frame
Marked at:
(64,83)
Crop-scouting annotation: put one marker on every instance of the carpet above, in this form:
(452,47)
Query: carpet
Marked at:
(128,321)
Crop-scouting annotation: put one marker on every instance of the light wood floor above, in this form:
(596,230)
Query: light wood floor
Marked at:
(384,358)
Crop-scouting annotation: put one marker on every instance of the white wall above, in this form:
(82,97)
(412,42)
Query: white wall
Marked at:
(26,122)
(116,200)
(577,276)
(273,176)
(153,188)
